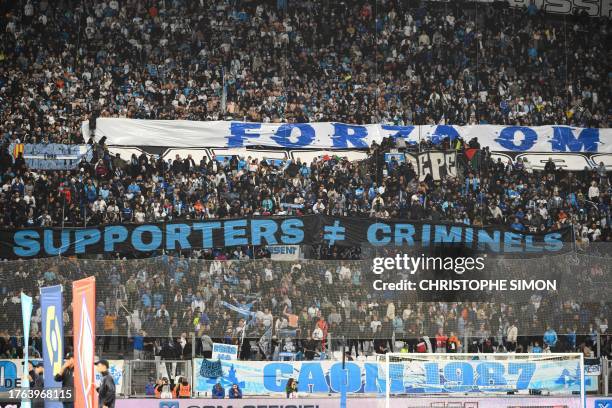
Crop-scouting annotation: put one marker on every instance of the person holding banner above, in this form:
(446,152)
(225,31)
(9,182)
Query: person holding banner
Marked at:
(66,376)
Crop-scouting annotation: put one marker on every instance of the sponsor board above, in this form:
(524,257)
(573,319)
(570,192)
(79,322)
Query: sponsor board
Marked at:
(429,402)
(11,374)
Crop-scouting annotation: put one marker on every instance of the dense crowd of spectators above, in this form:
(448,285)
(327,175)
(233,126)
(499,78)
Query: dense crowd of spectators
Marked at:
(110,190)
(65,62)
(352,61)
(296,61)
(160,305)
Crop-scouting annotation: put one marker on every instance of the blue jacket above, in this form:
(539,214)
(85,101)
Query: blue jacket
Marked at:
(235,394)
(218,392)
(550,337)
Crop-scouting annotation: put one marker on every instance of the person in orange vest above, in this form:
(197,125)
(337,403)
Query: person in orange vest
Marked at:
(453,343)
(182,389)
(163,389)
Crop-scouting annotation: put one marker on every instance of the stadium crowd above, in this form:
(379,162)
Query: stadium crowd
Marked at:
(351,61)
(63,63)
(109,190)
(158,306)
(296,61)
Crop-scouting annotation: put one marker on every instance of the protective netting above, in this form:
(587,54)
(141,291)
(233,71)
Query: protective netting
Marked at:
(167,296)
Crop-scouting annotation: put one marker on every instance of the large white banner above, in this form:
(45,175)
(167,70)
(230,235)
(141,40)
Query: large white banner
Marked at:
(332,135)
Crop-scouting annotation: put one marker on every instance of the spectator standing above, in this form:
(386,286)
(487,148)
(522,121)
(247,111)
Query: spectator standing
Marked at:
(511,337)
(550,338)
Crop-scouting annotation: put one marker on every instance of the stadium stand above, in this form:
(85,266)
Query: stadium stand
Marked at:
(65,62)
(352,61)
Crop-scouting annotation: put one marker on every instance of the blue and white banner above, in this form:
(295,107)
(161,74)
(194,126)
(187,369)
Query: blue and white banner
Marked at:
(284,252)
(26,316)
(51,156)
(222,351)
(324,377)
(332,135)
(53,337)
(241,310)
(552,376)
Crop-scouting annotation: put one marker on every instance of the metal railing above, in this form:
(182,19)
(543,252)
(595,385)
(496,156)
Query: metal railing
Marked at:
(140,373)
(607,376)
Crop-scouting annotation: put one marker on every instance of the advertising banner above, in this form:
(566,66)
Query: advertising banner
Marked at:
(305,230)
(53,337)
(83,317)
(332,135)
(371,402)
(26,315)
(252,403)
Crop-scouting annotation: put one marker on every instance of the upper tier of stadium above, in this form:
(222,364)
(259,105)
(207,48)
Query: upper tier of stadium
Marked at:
(353,61)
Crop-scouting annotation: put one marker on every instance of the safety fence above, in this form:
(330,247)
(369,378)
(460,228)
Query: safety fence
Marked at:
(254,299)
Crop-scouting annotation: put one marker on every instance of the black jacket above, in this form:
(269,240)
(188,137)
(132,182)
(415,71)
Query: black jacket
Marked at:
(37,383)
(67,379)
(106,391)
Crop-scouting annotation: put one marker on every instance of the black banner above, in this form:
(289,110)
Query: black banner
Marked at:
(306,230)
